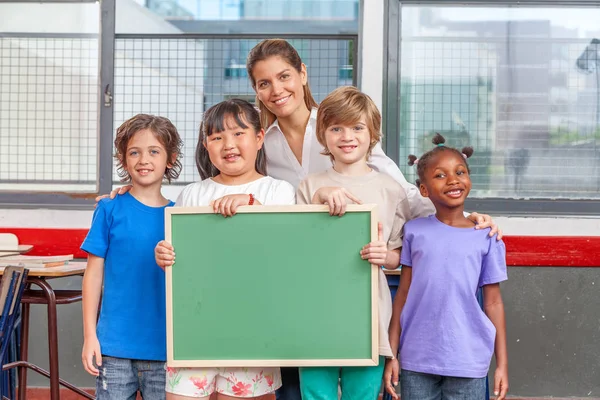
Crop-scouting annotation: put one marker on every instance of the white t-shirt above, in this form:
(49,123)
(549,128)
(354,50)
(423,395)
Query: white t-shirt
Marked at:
(266,190)
(282,164)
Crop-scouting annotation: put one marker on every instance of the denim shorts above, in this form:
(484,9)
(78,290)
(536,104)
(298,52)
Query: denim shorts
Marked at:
(419,386)
(122,378)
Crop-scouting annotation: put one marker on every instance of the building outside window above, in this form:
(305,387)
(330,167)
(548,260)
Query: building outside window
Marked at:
(520,85)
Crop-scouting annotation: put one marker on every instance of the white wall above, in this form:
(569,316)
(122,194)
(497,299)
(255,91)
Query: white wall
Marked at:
(510,226)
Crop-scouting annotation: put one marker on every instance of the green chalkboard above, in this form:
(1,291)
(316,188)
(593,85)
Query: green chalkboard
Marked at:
(271,286)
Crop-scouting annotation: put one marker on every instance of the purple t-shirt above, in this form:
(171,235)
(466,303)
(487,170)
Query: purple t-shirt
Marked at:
(444,330)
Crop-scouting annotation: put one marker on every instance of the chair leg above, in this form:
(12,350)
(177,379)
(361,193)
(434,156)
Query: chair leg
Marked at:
(22,393)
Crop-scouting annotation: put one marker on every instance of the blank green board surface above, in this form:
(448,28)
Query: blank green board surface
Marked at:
(271,288)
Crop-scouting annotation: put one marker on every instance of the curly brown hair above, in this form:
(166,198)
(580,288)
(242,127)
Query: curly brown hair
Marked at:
(163,130)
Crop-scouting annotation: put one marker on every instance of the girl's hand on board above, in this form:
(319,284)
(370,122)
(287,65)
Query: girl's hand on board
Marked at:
(91,348)
(390,376)
(376,252)
(114,193)
(164,254)
(227,205)
(501,383)
(335,197)
(483,221)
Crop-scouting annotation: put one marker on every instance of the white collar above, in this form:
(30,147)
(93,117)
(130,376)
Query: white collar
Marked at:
(275,124)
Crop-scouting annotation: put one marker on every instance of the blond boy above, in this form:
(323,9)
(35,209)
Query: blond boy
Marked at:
(348,127)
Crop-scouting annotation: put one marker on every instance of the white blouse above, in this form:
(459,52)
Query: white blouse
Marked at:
(282,164)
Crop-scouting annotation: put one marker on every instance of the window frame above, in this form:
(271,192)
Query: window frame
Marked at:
(82,200)
(391,94)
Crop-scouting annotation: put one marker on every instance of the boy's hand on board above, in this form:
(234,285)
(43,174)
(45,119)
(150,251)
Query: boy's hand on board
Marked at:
(227,205)
(164,254)
(501,383)
(114,193)
(335,198)
(376,252)
(483,221)
(390,376)
(91,349)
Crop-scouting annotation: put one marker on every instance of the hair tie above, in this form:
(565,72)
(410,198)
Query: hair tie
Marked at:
(440,144)
(464,155)
(416,161)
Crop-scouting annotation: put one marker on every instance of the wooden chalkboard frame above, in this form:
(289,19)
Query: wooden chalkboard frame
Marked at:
(373,361)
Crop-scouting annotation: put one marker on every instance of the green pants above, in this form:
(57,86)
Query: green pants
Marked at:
(357,383)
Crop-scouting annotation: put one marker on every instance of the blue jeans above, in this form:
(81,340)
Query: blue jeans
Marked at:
(418,386)
(122,378)
(290,389)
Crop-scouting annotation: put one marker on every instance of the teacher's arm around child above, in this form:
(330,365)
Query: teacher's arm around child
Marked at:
(234,174)
(446,341)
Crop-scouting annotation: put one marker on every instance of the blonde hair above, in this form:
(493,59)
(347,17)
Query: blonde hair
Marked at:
(346,105)
(276,48)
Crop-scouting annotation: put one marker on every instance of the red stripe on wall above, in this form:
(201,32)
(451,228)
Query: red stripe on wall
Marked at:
(49,242)
(523,251)
(553,251)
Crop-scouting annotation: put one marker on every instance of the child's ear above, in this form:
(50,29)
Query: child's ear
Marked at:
(260,138)
(423,190)
(173,159)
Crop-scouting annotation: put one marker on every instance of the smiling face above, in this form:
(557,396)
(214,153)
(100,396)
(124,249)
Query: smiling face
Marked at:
(348,143)
(348,111)
(446,180)
(234,150)
(145,159)
(279,86)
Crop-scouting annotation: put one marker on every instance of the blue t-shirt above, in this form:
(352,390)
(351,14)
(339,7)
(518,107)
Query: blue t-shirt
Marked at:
(132,320)
(444,330)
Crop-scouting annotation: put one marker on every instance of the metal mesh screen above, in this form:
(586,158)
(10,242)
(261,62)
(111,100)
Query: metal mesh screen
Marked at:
(528,103)
(48,112)
(180,78)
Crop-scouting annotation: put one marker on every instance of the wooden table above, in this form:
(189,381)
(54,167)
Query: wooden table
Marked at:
(50,297)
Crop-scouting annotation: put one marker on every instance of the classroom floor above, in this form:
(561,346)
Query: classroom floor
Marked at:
(65,394)
(43,394)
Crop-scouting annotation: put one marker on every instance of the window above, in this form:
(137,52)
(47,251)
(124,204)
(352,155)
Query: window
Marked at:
(256,9)
(67,83)
(179,78)
(521,85)
(49,101)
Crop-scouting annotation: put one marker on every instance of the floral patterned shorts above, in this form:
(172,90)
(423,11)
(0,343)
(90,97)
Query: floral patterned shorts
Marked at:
(236,382)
